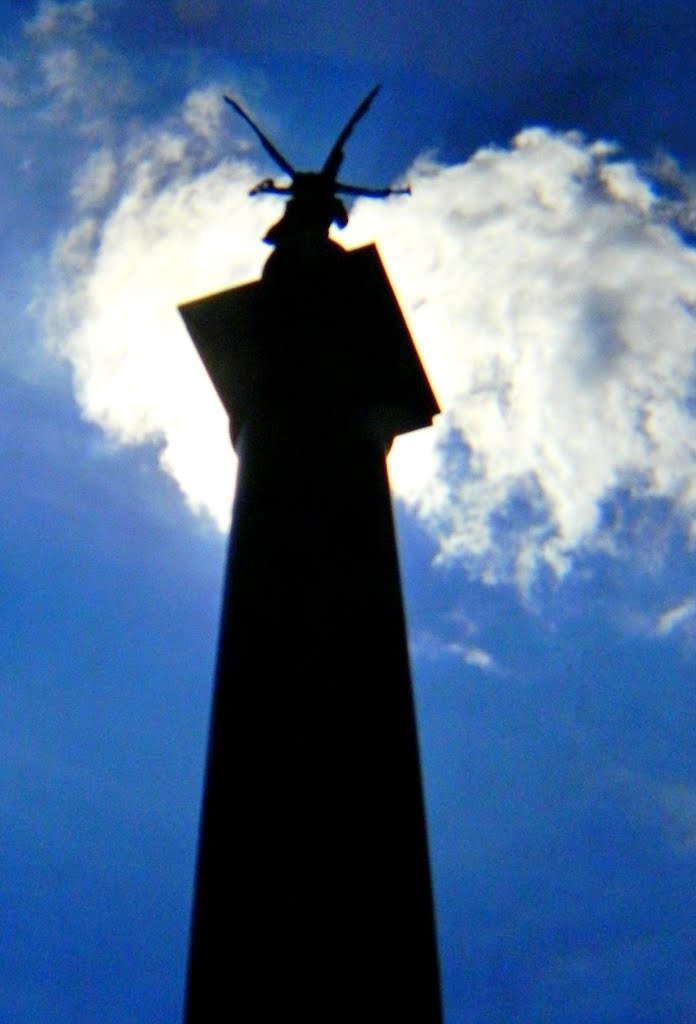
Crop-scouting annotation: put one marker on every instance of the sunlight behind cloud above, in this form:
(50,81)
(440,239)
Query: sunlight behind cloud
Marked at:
(177,231)
(551,303)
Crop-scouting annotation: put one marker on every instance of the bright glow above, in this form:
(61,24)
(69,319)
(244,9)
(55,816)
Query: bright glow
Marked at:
(552,306)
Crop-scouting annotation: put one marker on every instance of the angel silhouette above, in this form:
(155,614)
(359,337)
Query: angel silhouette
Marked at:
(313,205)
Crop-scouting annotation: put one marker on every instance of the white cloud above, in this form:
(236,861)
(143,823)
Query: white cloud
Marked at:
(94,182)
(681,616)
(202,112)
(431,647)
(174,233)
(479,658)
(623,181)
(62,71)
(52,17)
(678,203)
(66,74)
(551,304)
(555,317)
(9,93)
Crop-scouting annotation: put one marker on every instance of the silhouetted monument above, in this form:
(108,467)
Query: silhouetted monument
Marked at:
(313,896)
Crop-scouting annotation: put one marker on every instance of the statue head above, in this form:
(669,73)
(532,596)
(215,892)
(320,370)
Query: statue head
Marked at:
(313,203)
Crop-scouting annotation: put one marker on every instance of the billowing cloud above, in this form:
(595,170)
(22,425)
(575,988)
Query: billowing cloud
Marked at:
(181,226)
(554,309)
(551,299)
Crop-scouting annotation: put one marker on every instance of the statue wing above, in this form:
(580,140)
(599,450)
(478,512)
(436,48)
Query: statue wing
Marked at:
(266,143)
(335,157)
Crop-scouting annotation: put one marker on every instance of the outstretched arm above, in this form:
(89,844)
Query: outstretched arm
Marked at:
(269,187)
(371,193)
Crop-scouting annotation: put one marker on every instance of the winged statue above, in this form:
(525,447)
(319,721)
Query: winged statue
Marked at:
(313,204)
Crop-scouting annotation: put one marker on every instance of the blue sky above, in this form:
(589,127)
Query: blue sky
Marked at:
(546,265)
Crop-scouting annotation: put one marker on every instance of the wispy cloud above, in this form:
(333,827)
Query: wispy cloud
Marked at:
(669,805)
(65,73)
(53,18)
(678,804)
(431,647)
(94,182)
(681,616)
(9,92)
(478,658)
